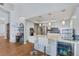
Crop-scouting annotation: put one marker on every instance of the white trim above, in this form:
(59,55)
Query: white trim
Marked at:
(12,41)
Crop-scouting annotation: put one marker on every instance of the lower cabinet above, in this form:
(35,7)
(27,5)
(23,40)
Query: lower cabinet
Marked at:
(32,39)
(39,46)
(51,47)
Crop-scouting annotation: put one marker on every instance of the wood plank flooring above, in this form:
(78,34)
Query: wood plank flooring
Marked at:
(16,49)
(12,49)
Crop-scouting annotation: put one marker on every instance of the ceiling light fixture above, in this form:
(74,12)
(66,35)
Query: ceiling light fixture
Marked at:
(63,22)
(50,24)
(40,25)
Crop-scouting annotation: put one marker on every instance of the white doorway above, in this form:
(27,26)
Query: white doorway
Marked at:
(2,29)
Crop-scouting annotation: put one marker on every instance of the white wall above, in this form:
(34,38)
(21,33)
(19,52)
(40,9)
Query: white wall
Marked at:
(28,25)
(76,21)
(2,30)
(9,15)
(14,24)
(4,18)
(15,20)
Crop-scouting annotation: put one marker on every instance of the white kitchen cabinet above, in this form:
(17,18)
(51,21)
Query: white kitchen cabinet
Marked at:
(52,47)
(39,46)
(40,43)
(32,39)
(76,50)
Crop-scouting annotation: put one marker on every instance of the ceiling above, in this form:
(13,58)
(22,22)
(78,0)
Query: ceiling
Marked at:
(58,12)
(53,16)
(44,12)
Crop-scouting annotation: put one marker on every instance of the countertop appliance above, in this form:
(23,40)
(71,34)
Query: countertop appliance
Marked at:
(65,49)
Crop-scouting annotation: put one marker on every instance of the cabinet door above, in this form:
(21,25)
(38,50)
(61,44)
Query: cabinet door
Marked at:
(76,50)
(39,47)
(36,46)
(40,43)
(48,49)
(32,39)
(52,48)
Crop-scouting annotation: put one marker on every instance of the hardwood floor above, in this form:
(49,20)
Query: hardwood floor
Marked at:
(12,49)
(16,49)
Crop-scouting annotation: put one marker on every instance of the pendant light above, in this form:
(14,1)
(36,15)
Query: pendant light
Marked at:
(63,22)
(40,25)
(49,24)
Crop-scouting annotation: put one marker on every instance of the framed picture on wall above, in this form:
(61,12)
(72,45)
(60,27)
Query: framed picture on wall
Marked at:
(31,32)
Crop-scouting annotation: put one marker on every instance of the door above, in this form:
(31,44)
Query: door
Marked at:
(8,31)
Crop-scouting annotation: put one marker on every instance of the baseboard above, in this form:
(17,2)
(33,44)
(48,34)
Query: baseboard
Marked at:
(12,41)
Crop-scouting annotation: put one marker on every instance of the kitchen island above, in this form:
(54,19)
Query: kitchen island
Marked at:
(52,45)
